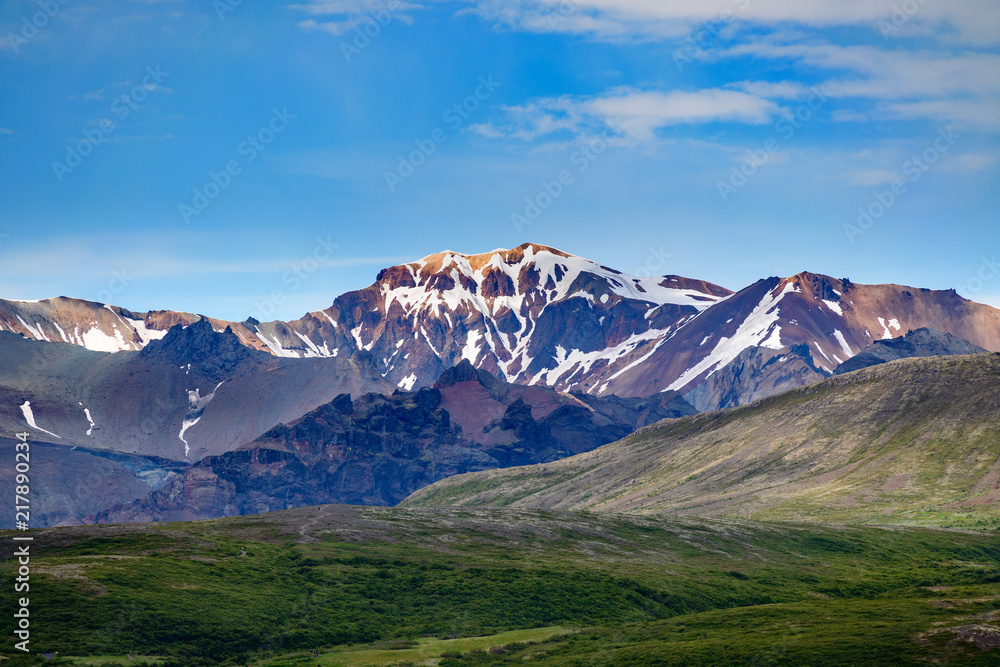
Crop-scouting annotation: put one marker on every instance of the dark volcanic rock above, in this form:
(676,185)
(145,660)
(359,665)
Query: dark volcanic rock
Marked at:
(377,450)
(920,343)
(218,356)
(756,373)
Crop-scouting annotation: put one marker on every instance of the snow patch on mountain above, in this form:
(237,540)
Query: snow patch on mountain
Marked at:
(196,408)
(61,332)
(315,350)
(894,323)
(760,327)
(29,417)
(471,349)
(834,306)
(329,319)
(145,333)
(843,343)
(275,347)
(36,333)
(98,341)
(86,412)
(774,340)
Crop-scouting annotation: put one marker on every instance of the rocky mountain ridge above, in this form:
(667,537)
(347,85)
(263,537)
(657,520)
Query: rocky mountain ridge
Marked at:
(535,315)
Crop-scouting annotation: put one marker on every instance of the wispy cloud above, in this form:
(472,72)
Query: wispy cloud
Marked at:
(343,16)
(970,162)
(638,113)
(971,20)
(899,84)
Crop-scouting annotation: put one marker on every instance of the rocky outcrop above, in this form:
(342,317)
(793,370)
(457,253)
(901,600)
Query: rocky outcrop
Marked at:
(756,373)
(376,449)
(920,343)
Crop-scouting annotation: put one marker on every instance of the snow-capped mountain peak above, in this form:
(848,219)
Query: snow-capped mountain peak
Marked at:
(538,315)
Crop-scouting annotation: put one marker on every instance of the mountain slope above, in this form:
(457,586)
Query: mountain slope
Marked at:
(836,319)
(193,393)
(756,373)
(912,441)
(920,343)
(377,449)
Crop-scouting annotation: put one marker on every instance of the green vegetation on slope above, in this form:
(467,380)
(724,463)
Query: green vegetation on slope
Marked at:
(912,442)
(640,590)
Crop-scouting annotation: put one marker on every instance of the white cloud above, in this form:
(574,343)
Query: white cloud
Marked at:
(979,113)
(972,20)
(888,74)
(4,130)
(943,87)
(639,114)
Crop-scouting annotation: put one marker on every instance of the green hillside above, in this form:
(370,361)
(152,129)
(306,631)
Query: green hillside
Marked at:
(384,585)
(913,442)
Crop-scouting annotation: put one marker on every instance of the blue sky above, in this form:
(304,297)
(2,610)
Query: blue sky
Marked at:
(203,156)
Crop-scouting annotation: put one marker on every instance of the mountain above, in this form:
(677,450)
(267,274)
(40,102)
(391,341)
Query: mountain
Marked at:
(836,319)
(910,441)
(920,343)
(377,449)
(535,315)
(69,484)
(756,373)
(195,392)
